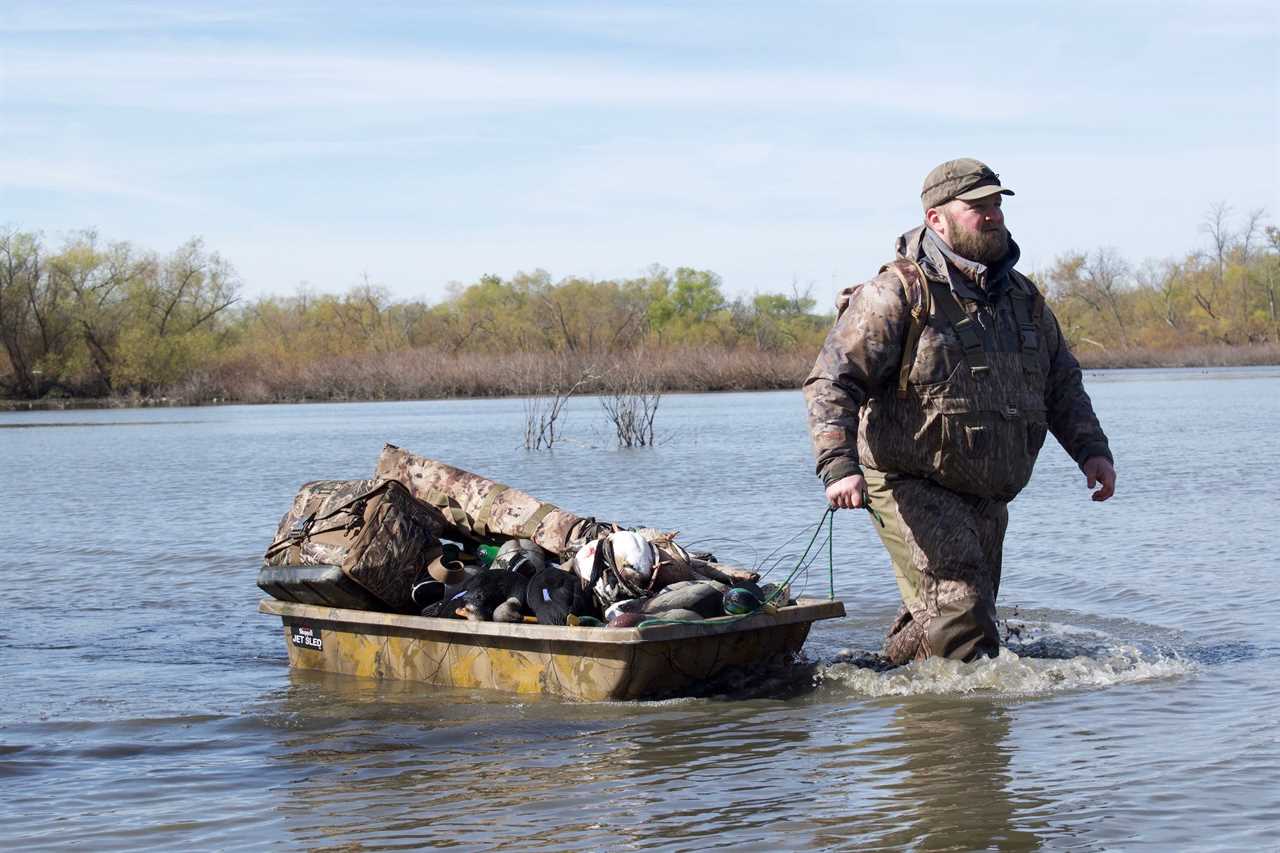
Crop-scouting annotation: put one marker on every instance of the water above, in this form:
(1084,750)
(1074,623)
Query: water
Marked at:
(147,705)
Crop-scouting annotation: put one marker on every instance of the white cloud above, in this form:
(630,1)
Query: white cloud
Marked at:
(51,17)
(242,81)
(759,141)
(68,177)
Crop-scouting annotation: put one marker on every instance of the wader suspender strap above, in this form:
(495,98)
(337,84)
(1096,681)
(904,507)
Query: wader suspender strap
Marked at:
(965,328)
(913,282)
(1028,308)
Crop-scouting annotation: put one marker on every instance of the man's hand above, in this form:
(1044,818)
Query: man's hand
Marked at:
(850,492)
(1097,469)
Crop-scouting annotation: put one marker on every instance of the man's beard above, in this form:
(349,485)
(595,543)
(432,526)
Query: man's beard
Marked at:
(985,247)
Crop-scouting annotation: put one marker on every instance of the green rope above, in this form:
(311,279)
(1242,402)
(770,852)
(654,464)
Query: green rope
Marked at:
(828,518)
(831,550)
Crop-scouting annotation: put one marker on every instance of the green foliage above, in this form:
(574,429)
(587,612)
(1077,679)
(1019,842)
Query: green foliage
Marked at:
(101,319)
(1227,294)
(94,318)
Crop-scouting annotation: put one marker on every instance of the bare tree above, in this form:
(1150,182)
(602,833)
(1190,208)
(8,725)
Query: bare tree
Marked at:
(1099,281)
(1252,230)
(1106,275)
(1273,242)
(1249,234)
(1161,279)
(1216,226)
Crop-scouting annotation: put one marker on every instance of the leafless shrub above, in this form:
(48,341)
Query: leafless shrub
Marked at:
(542,412)
(631,403)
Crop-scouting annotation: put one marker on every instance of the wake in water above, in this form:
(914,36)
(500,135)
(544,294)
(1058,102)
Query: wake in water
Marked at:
(1009,674)
(1035,660)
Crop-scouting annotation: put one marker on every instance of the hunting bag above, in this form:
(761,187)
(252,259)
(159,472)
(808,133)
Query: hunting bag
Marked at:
(373,530)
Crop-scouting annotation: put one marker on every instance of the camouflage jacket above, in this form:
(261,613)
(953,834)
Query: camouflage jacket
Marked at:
(977,432)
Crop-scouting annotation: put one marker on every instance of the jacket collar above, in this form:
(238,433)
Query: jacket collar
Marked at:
(969,279)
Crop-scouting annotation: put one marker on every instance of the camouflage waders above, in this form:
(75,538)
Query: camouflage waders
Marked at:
(946,552)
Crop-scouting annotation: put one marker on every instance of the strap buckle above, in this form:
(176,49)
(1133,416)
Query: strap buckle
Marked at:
(300,528)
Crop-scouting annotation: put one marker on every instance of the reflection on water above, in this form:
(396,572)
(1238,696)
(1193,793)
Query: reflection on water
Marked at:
(934,770)
(147,705)
(950,784)
(547,773)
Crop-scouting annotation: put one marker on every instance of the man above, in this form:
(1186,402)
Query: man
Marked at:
(929,403)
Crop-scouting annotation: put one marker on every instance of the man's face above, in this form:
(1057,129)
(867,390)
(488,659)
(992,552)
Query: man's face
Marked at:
(974,229)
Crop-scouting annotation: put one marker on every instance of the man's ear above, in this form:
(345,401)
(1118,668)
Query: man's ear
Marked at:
(933,218)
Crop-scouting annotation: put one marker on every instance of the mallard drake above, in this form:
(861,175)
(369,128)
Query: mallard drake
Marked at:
(487,596)
(554,594)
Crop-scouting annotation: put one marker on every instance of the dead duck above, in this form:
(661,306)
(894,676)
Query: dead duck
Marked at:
(494,596)
(555,594)
(491,595)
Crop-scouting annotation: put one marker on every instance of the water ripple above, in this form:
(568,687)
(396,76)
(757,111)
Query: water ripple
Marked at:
(147,705)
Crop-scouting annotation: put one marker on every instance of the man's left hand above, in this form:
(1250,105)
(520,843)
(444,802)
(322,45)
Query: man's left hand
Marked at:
(1101,473)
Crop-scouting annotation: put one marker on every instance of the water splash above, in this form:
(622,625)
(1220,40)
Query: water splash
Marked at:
(1033,669)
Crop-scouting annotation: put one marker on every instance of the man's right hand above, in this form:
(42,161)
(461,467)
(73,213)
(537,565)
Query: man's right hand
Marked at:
(848,493)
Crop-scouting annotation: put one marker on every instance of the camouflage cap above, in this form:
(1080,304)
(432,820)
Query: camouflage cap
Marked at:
(965,179)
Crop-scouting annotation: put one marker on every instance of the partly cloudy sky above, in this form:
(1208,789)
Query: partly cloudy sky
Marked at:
(424,143)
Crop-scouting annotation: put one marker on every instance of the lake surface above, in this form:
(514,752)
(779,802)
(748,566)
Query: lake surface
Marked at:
(146,704)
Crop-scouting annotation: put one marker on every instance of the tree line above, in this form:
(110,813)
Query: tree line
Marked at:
(1226,293)
(90,318)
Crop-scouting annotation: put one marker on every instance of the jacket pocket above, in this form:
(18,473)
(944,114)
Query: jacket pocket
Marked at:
(977,439)
(937,358)
(968,456)
(984,453)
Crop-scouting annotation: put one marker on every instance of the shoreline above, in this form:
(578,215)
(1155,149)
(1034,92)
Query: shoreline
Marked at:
(174,401)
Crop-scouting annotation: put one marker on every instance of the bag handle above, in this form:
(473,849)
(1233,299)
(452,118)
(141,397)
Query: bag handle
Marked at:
(304,527)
